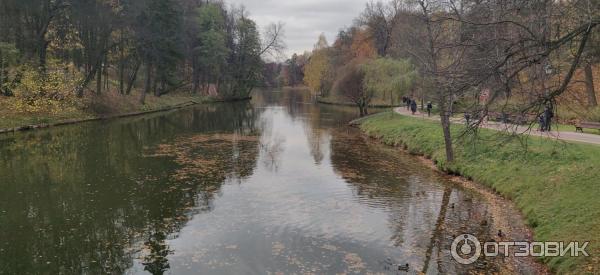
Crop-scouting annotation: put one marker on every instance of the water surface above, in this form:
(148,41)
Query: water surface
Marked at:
(279,185)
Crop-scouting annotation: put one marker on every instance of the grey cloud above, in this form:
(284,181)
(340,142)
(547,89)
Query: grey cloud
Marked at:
(304,19)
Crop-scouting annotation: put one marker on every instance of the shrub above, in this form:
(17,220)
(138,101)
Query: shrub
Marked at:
(51,92)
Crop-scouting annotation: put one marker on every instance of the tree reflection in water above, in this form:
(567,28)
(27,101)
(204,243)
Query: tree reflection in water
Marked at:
(156,261)
(81,198)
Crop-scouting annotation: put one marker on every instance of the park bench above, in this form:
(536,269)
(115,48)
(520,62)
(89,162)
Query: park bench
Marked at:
(520,119)
(587,125)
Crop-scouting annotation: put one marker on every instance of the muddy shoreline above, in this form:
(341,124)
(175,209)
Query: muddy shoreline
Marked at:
(505,214)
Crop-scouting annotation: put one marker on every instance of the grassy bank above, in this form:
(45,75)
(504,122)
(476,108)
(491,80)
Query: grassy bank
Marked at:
(93,106)
(556,185)
(342,102)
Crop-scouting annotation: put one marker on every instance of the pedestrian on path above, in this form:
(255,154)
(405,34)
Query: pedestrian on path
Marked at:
(429,108)
(542,123)
(413,107)
(468,118)
(408,103)
(548,115)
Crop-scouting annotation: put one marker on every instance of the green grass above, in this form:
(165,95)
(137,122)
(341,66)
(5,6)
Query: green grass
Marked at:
(555,185)
(571,128)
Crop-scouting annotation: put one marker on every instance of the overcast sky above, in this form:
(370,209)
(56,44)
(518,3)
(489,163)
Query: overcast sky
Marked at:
(304,19)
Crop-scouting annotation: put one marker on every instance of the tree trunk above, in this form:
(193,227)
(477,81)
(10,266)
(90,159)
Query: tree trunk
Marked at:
(89,77)
(121,65)
(195,78)
(589,85)
(43,51)
(99,79)
(1,75)
(132,78)
(445,120)
(105,71)
(155,86)
(148,87)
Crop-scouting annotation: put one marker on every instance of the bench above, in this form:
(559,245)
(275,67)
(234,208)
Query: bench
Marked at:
(520,119)
(586,125)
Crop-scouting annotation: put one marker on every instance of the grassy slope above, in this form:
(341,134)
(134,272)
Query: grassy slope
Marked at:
(106,105)
(556,185)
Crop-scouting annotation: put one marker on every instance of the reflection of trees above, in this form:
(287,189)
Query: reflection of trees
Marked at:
(381,178)
(436,240)
(76,199)
(373,177)
(272,147)
(156,261)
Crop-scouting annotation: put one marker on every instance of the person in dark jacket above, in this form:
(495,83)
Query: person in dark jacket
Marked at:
(542,123)
(429,108)
(548,116)
(413,107)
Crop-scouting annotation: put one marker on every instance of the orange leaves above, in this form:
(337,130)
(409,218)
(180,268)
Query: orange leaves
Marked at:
(363,46)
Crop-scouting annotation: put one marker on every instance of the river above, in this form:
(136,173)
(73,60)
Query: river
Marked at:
(279,185)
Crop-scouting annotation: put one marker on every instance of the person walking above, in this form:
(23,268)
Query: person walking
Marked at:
(548,116)
(429,108)
(413,107)
(468,118)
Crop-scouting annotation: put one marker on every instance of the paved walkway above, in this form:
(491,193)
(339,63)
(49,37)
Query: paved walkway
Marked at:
(566,136)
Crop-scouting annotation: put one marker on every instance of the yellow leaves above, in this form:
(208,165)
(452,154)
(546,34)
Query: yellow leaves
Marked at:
(317,70)
(363,46)
(51,93)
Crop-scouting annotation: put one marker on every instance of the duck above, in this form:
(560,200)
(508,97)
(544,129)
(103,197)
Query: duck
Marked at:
(403,267)
(500,234)
(482,265)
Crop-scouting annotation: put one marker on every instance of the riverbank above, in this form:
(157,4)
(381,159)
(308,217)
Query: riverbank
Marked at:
(333,101)
(565,175)
(95,108)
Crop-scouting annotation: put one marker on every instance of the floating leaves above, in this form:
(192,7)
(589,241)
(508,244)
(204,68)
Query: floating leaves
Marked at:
(214,156)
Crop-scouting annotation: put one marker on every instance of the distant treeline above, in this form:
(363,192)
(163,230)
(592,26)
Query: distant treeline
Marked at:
(54,49)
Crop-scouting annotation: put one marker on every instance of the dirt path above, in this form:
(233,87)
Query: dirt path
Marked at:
(566,136)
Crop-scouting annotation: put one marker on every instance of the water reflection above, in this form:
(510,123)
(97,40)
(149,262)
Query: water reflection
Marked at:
(279,185)
(82,199)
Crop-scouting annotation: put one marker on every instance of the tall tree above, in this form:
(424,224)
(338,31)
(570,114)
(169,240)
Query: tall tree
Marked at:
(212,51)
(159,41)
(93,21)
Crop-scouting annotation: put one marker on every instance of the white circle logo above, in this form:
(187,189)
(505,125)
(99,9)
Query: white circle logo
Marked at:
(466,249)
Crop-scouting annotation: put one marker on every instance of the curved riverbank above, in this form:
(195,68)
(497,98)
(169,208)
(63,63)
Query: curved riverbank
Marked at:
(329,101)
(96,117)
(563,174)
(248,98)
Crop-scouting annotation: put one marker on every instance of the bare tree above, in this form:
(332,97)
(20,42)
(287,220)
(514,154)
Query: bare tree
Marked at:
(380,18)
(272,40)
(529,48)
(351,86)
